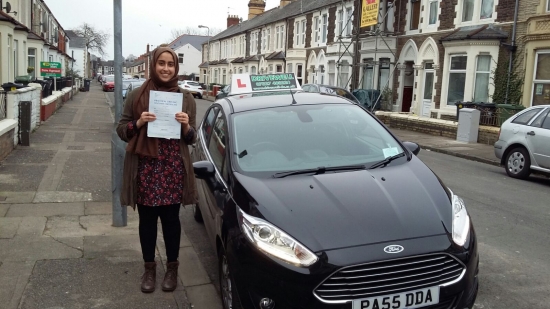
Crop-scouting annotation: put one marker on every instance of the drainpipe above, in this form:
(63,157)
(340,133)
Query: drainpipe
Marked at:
(512,49)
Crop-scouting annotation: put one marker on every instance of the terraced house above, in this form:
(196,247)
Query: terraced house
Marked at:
(304,37)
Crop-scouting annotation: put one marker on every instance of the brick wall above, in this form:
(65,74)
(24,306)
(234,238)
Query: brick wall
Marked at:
(290,33)
(309,29)
(448,14)
(6,143)
(436,127)
(331,25)
(247,39)
(259,43)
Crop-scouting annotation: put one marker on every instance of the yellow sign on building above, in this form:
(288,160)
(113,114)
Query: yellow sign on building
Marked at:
(369,12)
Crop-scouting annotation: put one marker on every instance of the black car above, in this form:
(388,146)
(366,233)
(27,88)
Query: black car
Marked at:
(311,202)
(332,90)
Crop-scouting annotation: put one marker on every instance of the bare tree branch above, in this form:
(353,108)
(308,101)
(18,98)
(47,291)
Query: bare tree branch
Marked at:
(95,40)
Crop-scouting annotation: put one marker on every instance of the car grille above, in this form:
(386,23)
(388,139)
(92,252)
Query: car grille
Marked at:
(389,277)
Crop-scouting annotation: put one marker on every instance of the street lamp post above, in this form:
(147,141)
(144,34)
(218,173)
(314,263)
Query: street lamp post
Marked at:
(207,60)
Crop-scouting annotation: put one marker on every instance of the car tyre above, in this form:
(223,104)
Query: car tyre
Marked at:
(230,299)
(200,96)
(197,214)
(518,163)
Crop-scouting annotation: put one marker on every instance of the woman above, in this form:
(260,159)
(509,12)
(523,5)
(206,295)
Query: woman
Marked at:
(158,174)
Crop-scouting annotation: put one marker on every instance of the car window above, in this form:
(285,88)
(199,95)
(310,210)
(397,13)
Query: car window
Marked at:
(216,145)
(546,123)
(209,123)
(304,137)
(540,118)
(527,116)
(193,84)
(306,88)
(126,84)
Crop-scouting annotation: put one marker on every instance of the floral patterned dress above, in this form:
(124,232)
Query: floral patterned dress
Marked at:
(160,179)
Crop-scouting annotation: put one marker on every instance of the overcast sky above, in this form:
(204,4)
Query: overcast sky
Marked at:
(148,22)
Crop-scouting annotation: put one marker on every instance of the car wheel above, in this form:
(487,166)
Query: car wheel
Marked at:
(230,300)
(518,163)
(200,96)
(197,214)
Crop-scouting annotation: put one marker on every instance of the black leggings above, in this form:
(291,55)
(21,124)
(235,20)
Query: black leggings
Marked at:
(171,228)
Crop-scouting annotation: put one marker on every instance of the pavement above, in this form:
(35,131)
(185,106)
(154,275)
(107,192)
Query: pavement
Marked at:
(472,151)
(58,248)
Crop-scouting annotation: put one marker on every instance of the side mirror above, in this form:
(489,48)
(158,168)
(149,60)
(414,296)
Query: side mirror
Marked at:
(413,147)
(203,169)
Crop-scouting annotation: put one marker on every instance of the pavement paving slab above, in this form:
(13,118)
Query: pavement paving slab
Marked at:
(204,296)
(92,225)
(98,208)
(14,276)
(61,197)
(127,246)
(93,283)
(8,227)
(44,248)
(4,209)
(29,156)
(46,210)
(21,177)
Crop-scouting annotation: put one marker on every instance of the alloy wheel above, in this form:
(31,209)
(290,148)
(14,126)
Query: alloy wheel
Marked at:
(516,163)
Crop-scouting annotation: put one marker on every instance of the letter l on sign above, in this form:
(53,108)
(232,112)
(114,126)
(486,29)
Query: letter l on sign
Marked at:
(239,84)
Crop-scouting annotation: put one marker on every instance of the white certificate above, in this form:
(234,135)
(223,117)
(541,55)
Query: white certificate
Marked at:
(165,105)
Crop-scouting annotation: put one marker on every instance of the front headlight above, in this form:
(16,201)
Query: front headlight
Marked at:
(271,240)
(461,221)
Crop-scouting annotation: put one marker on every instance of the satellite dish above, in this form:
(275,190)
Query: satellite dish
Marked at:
(7,7)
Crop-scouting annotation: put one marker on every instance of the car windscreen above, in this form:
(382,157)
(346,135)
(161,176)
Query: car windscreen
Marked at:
(193,84)
(294,138)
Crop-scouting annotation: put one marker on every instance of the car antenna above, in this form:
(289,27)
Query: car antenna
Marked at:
(292,94)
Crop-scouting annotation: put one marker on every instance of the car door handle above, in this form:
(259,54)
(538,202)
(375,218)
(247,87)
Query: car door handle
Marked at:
(532,133)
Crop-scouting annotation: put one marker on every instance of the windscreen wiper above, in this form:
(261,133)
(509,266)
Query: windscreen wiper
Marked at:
(386,161)
(320,170)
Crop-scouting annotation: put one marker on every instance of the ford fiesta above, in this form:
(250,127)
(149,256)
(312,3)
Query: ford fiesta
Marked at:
(312,203)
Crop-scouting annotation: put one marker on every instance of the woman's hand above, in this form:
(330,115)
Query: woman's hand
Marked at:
(183,118)
(145,117)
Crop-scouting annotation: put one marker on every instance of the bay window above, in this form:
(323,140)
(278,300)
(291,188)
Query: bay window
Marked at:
(303,32)
(541,82)
(299,74)
(32,61)
(457,79)
(340,23)
(316,32)
(414,17)
(268,39)
(277,35)
(483,73)
(297,34)
(368,74)
(349,19)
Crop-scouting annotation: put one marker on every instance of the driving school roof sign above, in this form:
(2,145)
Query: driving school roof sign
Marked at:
(246,83)
(50,69)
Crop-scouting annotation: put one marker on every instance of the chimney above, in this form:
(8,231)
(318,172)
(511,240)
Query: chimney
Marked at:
(255,8)
(285,2)
(232,20)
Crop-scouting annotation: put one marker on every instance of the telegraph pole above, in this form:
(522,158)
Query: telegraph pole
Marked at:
(118,147)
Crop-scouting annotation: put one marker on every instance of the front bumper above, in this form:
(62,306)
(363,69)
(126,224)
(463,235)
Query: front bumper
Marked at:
(257,275)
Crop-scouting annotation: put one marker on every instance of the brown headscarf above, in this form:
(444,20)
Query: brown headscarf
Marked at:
(141,144)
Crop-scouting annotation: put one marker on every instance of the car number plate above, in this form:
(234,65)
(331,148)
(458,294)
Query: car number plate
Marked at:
(407,300)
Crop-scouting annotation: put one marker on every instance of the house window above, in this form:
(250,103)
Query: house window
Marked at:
(316,35)
(180,58)
(468,10)
(434,6)
(548,6)
(253,70)
(263,39)
(368,74)
(324,31)
(15,57)
(9,57)
(349,19)
(340,23)
(303,32)
(483,73)
(457,79)
(383,73)
(331,73)
(270,69)
(223,76)
(486,9)
(279,68)
(541,81)
(268,39)
(344,74)
(32,60)
(277,35)
(297,34)
(216,76)
(299,74)
(415,14)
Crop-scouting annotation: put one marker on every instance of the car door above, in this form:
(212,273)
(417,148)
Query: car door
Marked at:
(522,129)
(539,139)
(200,153)
(215,189)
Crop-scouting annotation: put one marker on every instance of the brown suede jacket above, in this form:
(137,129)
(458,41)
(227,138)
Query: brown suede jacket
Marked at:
(128,194)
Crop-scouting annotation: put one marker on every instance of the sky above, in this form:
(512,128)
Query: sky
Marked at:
(148,22)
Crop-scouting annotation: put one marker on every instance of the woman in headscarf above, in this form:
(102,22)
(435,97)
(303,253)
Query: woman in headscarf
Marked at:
(158,173)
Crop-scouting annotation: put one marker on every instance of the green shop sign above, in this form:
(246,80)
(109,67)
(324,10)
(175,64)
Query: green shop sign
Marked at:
(50,69)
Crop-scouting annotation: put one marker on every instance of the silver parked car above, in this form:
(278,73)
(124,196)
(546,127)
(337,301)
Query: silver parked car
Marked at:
(523,145)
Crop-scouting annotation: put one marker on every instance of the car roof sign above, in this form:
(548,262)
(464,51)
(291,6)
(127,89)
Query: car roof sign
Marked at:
(247,83)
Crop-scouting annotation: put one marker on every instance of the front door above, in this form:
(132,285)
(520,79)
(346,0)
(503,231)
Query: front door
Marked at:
(427,95)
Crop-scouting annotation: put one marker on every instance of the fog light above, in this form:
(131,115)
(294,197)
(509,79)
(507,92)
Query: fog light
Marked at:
(267,303)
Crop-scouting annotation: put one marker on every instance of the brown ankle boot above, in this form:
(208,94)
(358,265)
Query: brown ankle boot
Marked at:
(171,277)
(148,279)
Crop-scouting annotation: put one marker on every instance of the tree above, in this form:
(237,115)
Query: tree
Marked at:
(176,33)
(95,39)
(131,58)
